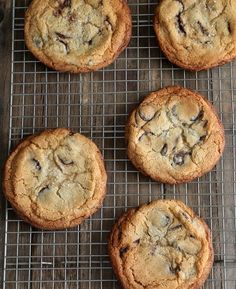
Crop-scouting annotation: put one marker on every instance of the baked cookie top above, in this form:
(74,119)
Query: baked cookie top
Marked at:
(197,34)
(174,135)
(77,35)
(55,179)
(161,245)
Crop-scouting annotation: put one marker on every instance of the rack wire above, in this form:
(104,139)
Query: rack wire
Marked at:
(97,104)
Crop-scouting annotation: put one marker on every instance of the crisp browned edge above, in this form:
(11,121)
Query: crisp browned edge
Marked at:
(63,67)
(155,176)
(50,225)
(116,262)
(170,56)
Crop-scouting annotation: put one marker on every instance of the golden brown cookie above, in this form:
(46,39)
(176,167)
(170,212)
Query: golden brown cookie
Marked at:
(174,135)
(56,179)
(77,35)
(198,34)
(161,245)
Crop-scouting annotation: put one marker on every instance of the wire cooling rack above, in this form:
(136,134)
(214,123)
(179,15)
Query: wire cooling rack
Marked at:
(97,105)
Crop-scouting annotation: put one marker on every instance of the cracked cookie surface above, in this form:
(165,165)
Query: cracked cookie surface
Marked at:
(55,179)
(198,34)
(174,135)
(77,35)
(161,245)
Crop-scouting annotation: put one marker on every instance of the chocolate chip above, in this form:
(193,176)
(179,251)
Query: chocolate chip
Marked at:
(174,270)
(164,220)
(137,241)
(107,19)
(38,42)
(123,251)
(229,27)
(173,110)
(64,3)
(205,123)
(65,162)
(175,228)
(179,158)
(179,20)
(145,134)
(202,138)
(180,24)
(62,36)
(37,164)
(43,189)
(64,43)
(90,42)
(203,29)
(199,116)
(164,150)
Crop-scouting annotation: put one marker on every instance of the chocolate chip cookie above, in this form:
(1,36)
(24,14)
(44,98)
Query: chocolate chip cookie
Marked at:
(56,179)
(77,35)
(174,135)
(161,245)
(198,34)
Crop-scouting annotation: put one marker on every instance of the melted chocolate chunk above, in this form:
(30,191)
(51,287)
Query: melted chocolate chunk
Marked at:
(64,3)
(107,19)
(176,227)
(65,162)
(43,189)
(199,116)
(202,138)
(62,36)
(166,221)
(180,24)
(123,251)
(63,42)
(203,29)
(173,110)
(179,158)
(144,134)
(137,241)
(229,27)
(37,164)
(164,150)
(175,269)
(205,123)
(90,42)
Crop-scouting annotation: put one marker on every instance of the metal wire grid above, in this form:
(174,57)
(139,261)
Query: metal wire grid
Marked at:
(97,104)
